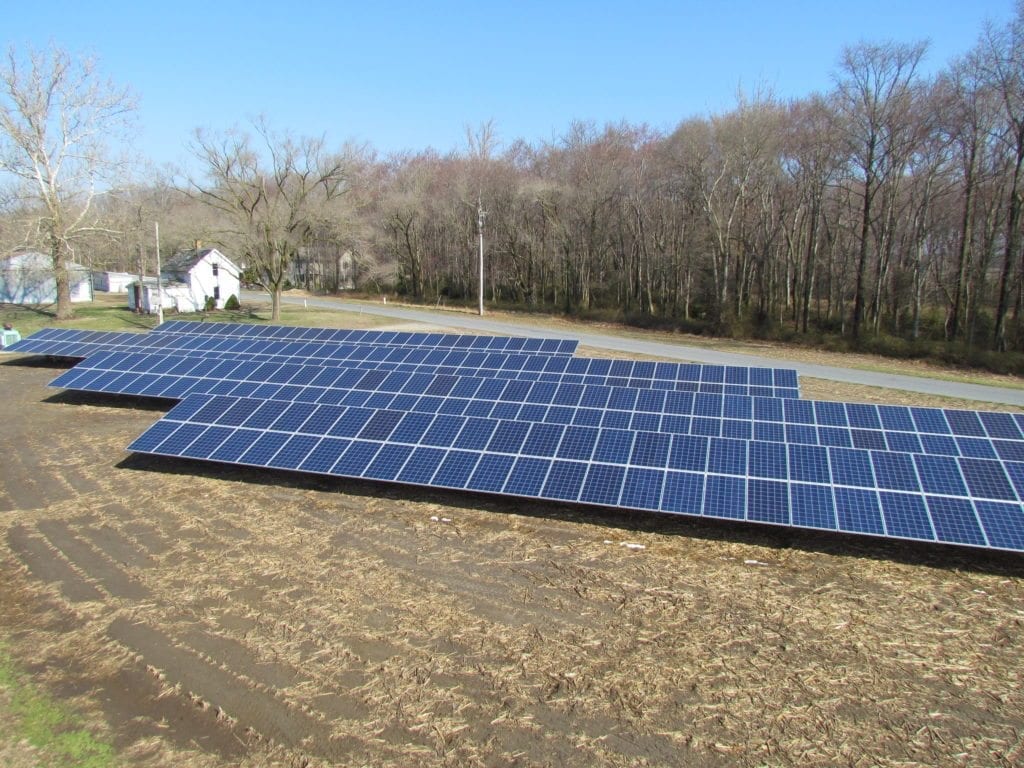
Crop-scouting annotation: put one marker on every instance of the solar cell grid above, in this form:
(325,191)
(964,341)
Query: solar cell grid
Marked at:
(501,399)
(533,366)
(74,343)
(427,339)
(344,374)
(833,489)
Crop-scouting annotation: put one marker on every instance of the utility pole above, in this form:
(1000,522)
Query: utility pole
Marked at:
(159,285)
(480,214)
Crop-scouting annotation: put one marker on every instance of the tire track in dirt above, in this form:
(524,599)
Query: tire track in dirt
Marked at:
(134,696)
(25,486)
(236,656)
(92,562)
(263,712)
(339,639)
(63,467)
(125,694)
(329,695)
(149,536)
(242,661)
(47,566)
(421,558)
(117,546)
(491,598)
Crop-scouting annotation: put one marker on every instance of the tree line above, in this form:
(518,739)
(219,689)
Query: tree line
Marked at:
(889,206)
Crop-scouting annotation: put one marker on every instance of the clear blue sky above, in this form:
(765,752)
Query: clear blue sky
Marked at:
(411,75)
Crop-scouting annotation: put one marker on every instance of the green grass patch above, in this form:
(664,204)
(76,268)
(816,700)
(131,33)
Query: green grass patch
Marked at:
(47,725)
(109,312)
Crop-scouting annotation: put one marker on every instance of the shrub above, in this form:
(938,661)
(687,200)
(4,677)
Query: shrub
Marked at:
(232,303)
(210,305)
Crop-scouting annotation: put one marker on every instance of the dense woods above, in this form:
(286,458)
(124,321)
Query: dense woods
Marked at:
(886,212)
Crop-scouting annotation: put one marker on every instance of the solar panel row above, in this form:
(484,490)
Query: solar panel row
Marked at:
(895,428)
(686,377)
(961,500)
(165,371)
(315,343)
(729,379)
(396,338)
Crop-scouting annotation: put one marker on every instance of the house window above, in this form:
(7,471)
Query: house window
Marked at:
(216,292)
(215,268)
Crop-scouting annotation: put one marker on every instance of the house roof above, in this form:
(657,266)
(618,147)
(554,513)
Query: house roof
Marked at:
(35,260)
(183,262)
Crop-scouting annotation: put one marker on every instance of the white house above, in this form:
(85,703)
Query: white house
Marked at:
(188,278)
(27,278)
(113,282)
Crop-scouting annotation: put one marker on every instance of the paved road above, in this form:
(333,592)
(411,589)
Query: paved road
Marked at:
(671,351)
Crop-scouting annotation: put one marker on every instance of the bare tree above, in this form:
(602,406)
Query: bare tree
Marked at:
(1002,64)
(873,95)
(57,117)
(275,193)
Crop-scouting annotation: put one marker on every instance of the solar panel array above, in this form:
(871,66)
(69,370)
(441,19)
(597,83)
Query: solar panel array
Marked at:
(402,338)
(158,375)
(806,422)
(957,500)
(454,412)
(420,359)
(68,342)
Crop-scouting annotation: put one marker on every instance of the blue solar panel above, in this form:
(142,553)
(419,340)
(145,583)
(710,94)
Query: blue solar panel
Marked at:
(491,472)
(882,493)
(282,385)
(858,511)
(564,480)
(526,477)
(508,366)
(906,516)
(812,506)
(496,352)
(395,338)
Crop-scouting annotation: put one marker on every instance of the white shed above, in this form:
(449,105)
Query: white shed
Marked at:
(205,273)
(176,296)
(27,278)
(113,282)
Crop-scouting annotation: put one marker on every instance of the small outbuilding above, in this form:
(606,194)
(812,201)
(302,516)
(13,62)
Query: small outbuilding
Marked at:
(112,282)
(27,278)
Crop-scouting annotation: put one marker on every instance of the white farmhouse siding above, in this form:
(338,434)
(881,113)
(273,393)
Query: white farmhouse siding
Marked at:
(27,278)
(205,273)
(176,296)
(113,282)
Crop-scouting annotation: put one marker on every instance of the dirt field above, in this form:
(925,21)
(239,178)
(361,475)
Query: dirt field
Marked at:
(205,615)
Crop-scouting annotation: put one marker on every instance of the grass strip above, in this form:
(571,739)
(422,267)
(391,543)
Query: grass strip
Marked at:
(35,717)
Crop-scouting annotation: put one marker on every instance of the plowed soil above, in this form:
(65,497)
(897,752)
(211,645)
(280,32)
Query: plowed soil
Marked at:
(205,615)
